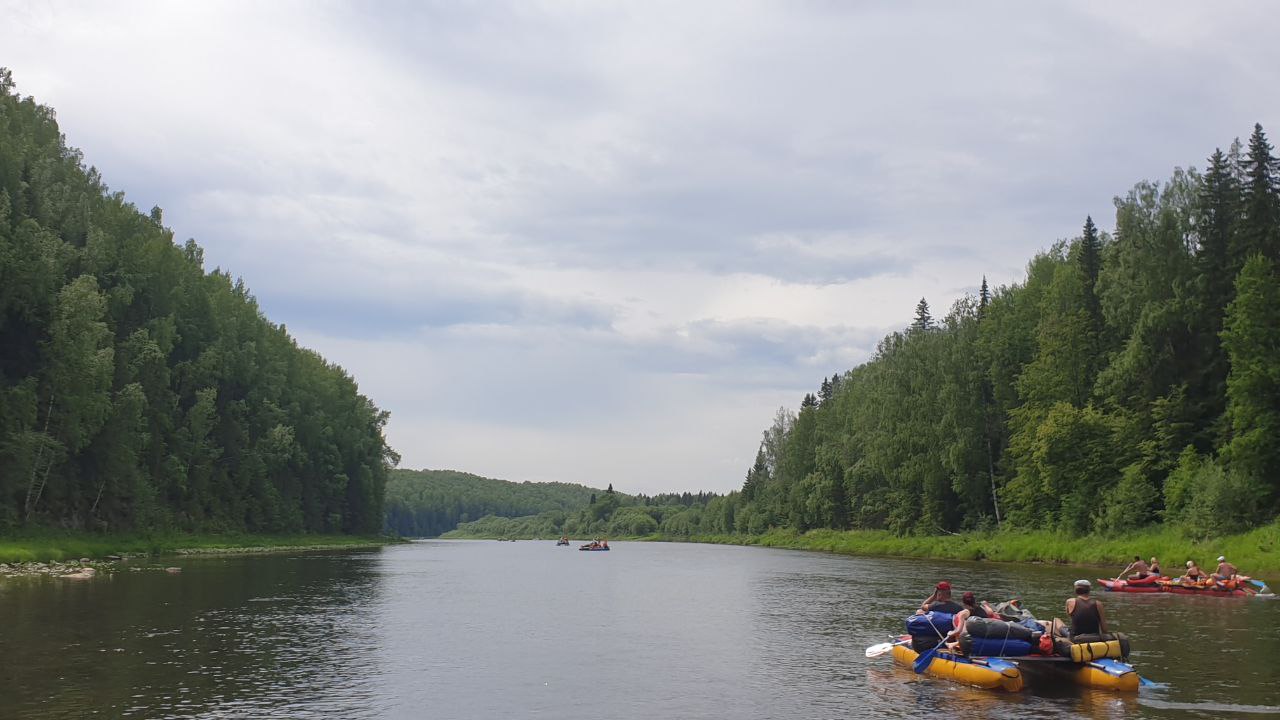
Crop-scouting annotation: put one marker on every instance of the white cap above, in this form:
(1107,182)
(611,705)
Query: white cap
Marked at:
(1222,558)
(1082,583)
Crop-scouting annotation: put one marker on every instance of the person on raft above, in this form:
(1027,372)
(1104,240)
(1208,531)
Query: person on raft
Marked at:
(1139,568)
(1155,566)
(940,600)
(1194,573)
(972,608)
(1226,571)
(1086,613)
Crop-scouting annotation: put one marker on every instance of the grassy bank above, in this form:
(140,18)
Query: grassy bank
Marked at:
(1254,552)
(64,546)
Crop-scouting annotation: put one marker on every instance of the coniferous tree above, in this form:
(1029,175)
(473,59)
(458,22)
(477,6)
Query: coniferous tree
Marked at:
(923,321)
(1259,231)
(1216,217)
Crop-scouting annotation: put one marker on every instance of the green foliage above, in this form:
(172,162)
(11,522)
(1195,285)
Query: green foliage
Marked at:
(1130,504)
(426,503)
(1063,403)
(1205,499)
(137,391)
(1251,337)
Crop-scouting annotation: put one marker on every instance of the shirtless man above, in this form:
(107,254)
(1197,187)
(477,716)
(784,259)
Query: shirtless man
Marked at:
(1225,571)
(1140,569)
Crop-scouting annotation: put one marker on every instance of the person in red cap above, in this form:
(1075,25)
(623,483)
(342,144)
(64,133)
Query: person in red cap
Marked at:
(940,600)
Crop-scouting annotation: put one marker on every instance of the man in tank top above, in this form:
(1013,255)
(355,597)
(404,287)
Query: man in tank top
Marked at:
(1086,613)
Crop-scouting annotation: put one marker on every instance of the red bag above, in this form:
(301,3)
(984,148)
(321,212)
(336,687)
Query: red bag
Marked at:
(1046,644)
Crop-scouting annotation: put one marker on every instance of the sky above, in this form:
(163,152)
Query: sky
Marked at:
(603,242)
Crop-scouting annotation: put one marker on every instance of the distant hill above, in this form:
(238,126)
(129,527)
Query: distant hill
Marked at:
(427,503)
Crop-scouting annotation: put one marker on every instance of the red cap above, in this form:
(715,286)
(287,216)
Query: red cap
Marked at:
(944,585)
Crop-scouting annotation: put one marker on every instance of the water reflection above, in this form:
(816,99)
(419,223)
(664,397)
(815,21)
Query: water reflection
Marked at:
(489,630)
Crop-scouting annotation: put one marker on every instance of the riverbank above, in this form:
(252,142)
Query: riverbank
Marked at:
(1254,552)
(53,547)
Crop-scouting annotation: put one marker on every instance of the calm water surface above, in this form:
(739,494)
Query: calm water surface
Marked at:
(482,629)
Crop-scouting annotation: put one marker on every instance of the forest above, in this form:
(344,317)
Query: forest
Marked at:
(139,392)
(1132,379)
(426,503)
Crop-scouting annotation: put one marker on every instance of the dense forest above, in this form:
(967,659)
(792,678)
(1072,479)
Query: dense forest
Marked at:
(615,514)
(426,503)
(140,392)
(1132,378)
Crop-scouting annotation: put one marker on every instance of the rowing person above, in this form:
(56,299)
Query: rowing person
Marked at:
(1140,569)
(1194,573)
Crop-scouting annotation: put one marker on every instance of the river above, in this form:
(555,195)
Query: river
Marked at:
(483,629)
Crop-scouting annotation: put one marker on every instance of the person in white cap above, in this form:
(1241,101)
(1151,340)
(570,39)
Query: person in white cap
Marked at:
(1226,571)
(1086,613)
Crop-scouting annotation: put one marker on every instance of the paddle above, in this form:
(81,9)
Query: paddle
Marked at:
(922,662)
(878,650)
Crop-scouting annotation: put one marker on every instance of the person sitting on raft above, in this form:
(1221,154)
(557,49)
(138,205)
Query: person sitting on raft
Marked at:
(1226,571)
(1086,613)
(972,608)
(1194,573)
(1155,566)
(1139,568)
(940,600)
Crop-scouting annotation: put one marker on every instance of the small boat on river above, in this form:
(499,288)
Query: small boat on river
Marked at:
(1148,584)
(1243,586)
(1007,673)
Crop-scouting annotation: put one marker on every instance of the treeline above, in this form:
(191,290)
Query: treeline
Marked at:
(614,514)
(1132,378)
(427,503)
(138,391)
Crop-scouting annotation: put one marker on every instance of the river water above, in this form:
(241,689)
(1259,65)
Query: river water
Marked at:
(483,629)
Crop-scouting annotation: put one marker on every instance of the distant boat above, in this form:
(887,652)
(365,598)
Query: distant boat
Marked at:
(594,548)
(562,542)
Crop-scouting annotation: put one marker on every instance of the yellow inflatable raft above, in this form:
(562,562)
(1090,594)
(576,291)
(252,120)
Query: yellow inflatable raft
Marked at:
(988,673)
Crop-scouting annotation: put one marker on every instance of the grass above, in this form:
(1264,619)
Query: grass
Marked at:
(45,547)
(1254,552)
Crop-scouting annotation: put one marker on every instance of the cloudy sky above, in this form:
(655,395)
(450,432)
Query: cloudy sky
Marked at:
(604,242)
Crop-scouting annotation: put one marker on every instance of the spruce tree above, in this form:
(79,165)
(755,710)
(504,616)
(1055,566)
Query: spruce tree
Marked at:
(1216,217)
(923,321)
(1260,225)
(984,297)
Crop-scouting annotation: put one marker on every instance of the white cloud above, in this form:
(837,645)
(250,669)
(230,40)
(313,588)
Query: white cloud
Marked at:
(587,241)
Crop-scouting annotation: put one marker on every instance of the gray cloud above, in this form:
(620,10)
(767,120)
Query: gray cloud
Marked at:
(545,227)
